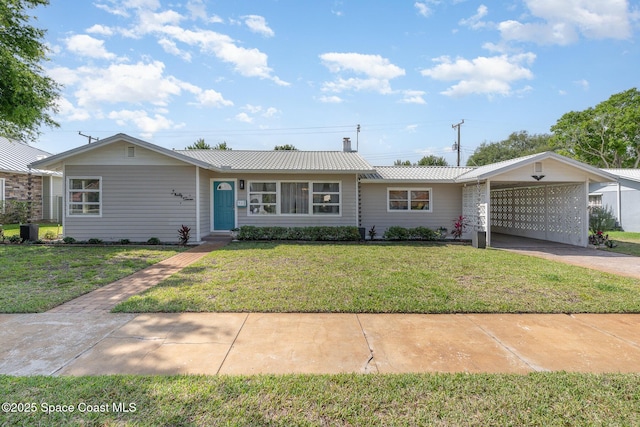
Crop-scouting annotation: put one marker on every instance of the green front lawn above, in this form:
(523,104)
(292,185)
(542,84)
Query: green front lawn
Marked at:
(36,278)
(627,242)
(538,399)
(384,278)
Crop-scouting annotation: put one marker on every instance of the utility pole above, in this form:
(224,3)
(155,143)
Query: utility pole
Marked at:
(91,138)
(357,135)
(457,145)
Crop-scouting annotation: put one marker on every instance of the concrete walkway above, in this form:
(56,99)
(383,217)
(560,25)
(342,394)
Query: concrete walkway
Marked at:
(258,343)
(102,300)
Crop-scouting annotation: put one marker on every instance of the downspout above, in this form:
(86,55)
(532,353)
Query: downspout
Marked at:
(65,195)
(198,203)
(619,203)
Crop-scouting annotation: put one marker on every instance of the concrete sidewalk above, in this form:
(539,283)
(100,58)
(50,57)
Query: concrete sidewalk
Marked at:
(258,343)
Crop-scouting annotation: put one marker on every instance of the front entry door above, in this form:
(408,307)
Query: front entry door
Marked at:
(224,217)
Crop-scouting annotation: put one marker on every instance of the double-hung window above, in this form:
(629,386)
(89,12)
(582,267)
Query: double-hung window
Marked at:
(84,196)
(262,198)
(294,198)
(409,199)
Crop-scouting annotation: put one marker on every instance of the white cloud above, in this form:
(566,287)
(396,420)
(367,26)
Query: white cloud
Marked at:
(584,84)
(258,24)
(211,98)
(169,46)
(88,46)
(483,75)
(422,8)
(244,117)
(100,29)
(132,83)
(70,113)
(562,22)
(140,118)
(331,99)
(413,97)
(271,112)
(378,72)
(475,22)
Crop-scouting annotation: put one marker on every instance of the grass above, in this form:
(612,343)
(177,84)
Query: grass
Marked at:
(14,229)
(549,399)
(36,278)
(627,242)
(384,278)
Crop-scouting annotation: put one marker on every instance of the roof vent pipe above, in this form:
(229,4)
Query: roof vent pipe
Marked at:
(346,145)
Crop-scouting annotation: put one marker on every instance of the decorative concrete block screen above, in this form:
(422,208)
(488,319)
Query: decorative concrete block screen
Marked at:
(554,212)
(474,206)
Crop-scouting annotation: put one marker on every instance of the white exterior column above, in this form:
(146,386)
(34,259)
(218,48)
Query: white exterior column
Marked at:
(198,237)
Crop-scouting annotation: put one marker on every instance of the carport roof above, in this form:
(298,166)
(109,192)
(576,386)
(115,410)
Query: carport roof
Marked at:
(494,169)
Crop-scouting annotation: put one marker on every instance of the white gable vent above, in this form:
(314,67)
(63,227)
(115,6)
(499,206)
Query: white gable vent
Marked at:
(131,151)
(537,167)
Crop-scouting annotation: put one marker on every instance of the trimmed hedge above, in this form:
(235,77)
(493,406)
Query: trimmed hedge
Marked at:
(418,233)
(341,233)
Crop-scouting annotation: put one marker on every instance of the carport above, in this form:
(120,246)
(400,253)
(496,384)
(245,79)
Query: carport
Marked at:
(543,196)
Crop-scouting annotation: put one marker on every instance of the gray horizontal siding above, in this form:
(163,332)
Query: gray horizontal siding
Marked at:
(446,200)
(137,203)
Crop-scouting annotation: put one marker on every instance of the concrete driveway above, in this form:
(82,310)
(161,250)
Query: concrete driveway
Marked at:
(596,259)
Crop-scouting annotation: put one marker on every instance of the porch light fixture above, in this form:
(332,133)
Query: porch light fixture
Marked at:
(241,184)
(537,177)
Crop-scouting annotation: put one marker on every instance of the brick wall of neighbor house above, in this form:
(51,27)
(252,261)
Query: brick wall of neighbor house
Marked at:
(16,188)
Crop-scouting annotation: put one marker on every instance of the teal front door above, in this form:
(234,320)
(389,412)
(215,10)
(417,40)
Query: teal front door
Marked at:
(224,214)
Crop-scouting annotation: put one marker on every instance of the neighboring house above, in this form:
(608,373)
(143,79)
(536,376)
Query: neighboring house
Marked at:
(122,187)
(622,197)
(17,180)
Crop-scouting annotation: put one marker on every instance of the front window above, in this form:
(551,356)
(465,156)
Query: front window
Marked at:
(408,199)
(294,198)
(84,196)
(262,198)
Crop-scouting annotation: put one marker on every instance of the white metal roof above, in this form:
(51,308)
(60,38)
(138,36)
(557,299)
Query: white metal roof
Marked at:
(16,155)
(631,174)
(415,173)
(285,161)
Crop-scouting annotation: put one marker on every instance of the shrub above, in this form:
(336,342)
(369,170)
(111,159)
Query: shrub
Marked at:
(459,227)
(317,233)
(69,240)
(184,234)
(50,235)
(396,233)
(15,239)
(372,232)
(153,241)
(94,241)
(422,233)
(601,219)
(14,212)
(125,241)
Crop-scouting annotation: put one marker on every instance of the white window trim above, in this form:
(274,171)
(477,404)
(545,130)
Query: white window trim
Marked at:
(68,190)
(409,190)
(311,204)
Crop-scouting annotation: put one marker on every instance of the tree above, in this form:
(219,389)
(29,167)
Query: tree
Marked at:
(199,145)
(401,163)
(432,160)
(516,145)
(27,96)
(221,146)
(605,136)
(286,147)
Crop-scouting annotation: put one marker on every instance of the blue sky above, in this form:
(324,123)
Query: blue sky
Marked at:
(260,73)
